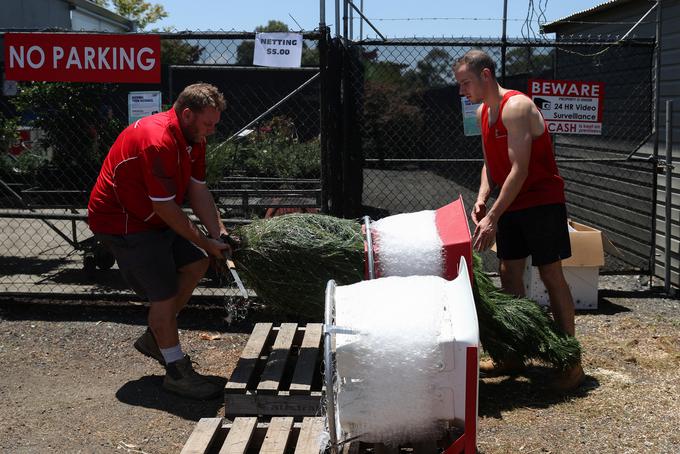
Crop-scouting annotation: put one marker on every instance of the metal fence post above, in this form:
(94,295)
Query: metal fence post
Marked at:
(655,130)
(504,40)
(324,120)
(669,184)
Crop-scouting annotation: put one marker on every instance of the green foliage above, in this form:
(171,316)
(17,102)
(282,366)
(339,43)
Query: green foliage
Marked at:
(77,123)
(518,327)
(6,165)
(390,112)
(391,117)
(30,164)
(287,260)
(144,13)
(434,70)
(525,60)
(173,52)
(178,52)
(9,133)
(271,151)
(384,72)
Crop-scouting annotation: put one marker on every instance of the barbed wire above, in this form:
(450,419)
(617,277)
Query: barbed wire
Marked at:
(628,33)
(494,19)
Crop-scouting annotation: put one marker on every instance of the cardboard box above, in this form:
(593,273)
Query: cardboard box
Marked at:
(581,270)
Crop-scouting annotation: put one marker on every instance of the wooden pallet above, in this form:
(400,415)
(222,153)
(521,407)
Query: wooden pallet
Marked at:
(278,373)
(278,436)
(427,447)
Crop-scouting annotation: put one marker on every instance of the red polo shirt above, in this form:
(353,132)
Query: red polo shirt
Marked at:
(149,161)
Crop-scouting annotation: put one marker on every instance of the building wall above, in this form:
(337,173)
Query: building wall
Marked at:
(669,90)
(82,19)
(631,231)
(17,15)
(33,14)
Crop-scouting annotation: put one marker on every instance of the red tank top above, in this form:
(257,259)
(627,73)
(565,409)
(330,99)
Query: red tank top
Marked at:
(543,185)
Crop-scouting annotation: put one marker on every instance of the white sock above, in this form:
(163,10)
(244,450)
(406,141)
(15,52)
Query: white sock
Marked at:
(172,354)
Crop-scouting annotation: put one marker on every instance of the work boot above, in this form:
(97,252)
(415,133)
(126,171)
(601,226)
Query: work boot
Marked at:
(182,379)
(511,365)
(147,346)
(569,379)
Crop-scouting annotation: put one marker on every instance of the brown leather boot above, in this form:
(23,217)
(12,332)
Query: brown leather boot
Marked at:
(147,346)
(569,379)
(181,378)
(511,365)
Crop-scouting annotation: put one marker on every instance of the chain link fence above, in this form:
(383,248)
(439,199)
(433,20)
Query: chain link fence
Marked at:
(418,156)
(263,159)
(374,126)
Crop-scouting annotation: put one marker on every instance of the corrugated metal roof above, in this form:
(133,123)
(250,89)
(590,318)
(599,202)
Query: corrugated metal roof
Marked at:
(551,26)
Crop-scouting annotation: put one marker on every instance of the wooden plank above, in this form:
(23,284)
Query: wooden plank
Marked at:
(202,436)
(239,436)
(280,404)
(353,447)
(276,364)
(307,359)
(380,448)
(309,441)
(277,435)
(246,363)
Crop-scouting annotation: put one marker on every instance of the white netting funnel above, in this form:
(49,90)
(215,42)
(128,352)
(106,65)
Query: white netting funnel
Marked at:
(395,356)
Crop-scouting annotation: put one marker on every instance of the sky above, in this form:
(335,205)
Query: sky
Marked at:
(457,18)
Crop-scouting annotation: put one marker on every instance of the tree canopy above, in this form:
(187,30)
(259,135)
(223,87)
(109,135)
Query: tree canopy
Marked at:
(143,13)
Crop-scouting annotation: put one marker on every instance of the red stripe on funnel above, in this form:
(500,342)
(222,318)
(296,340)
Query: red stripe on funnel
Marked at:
(454,231)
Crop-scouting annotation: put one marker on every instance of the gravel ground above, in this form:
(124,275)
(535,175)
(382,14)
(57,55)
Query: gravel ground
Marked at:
(71,381)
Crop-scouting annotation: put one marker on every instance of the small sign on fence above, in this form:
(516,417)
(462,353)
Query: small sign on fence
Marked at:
(470,123)
(283,50)
(569,107)
(142,104)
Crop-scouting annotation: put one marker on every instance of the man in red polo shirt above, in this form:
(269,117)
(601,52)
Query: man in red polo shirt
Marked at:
(135,208)
(529,217)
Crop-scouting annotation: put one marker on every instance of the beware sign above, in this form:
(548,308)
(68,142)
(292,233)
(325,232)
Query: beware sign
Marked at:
(76,57)
(569,107)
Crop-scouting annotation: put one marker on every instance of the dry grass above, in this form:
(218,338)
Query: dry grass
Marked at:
(629,403)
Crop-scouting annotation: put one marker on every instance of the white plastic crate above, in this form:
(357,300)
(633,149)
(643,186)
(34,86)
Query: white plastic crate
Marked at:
(583,283)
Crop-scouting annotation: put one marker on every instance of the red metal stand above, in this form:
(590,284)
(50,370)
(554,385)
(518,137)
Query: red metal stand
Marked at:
(467,443)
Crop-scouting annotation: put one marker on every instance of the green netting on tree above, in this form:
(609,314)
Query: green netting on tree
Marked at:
(289,259)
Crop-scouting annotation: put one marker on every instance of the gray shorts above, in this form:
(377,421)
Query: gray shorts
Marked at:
(149,260)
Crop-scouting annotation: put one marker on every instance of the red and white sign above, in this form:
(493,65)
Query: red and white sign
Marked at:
(569,107)
(75,57)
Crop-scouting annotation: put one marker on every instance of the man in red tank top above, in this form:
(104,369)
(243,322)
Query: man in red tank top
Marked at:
(529,216)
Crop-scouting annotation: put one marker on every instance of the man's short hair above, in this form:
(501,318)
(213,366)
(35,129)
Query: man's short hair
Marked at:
(476,60)
(199,96)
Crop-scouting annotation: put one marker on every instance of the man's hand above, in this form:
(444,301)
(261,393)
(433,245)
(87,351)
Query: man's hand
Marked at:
(216,248)
(485,234)
(232,240)
(478,211)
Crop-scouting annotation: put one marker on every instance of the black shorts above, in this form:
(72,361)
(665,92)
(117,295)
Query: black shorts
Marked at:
(540,232)
(149,260)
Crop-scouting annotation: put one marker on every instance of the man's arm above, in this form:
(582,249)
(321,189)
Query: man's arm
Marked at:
(175,218)
(203,205)
(517,116)
(479,209)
